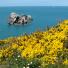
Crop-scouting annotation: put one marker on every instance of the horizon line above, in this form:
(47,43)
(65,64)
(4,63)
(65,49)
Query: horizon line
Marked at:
(35,6)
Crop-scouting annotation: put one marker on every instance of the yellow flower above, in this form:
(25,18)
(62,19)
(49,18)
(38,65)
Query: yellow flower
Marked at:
(1,54)
(45,45)
(65,21)
(14,46)
(65,62)
(20,48)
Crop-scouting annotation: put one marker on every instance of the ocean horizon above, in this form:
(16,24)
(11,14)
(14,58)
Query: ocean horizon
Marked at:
(43,16)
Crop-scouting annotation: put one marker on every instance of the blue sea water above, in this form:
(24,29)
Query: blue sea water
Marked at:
(42,16)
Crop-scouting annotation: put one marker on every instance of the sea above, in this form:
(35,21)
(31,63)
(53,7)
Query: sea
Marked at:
(43,16)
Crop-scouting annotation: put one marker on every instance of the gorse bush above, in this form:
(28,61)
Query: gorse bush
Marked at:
(41,49)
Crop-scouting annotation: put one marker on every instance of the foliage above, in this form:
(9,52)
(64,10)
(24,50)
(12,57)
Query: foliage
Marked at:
(37,50)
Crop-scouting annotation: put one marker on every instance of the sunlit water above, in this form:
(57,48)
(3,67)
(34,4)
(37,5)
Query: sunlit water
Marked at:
(42,16)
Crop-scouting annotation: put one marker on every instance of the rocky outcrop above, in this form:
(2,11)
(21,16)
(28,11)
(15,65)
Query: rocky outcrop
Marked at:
(18,19)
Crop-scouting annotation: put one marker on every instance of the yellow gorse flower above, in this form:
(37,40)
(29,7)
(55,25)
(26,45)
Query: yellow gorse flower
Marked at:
(44,45)
(65,62)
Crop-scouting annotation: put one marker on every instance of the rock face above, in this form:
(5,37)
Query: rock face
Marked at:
(18,19)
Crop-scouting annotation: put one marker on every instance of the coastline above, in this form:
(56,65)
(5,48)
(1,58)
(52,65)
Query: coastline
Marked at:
(47,47)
